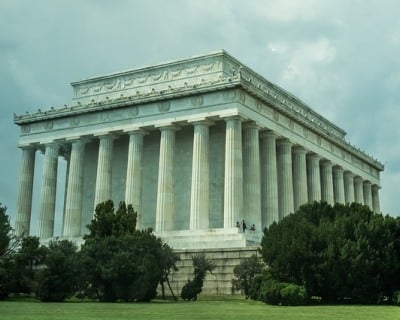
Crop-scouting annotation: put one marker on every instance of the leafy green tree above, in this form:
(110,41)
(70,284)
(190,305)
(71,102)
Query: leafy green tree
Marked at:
(194,287)
(8,245)
(59,276)
(245,274)
(120,262)
(25,264)
(339,253)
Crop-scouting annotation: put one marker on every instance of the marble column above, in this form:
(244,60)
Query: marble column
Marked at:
(269,179)
(338,184)
(133,187)
(251,175)
(74,194)
(375,198)
(300,195)
(233,181)
(166,181)
(367,192)
(313,178)
(358,190)
(24,203)
(348,187)
(327,182)
(285,178)
(200,187)
(48,191)
(104,170)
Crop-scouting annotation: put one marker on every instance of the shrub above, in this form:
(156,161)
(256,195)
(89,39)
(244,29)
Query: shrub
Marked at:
(293,295)
(279,293)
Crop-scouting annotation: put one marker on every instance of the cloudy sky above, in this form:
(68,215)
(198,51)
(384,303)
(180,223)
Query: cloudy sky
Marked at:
(341,57)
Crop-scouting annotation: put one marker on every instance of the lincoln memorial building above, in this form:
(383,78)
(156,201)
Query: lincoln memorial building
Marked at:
(195,146)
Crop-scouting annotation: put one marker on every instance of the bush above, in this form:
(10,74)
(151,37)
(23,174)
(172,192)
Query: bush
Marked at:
(293,295)
(279,293)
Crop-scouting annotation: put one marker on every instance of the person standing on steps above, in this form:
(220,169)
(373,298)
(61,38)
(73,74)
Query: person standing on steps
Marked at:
(244,226)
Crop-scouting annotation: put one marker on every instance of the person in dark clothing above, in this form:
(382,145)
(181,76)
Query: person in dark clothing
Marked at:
(244,226)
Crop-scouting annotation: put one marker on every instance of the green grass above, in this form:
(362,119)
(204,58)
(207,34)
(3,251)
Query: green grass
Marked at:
(205,308)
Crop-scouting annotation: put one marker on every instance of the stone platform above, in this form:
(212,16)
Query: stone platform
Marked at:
(210,238)
(217,283)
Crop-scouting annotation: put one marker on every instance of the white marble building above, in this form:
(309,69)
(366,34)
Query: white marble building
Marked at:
(195,145)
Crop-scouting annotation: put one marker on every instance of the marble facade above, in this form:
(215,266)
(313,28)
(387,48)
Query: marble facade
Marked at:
(195,146)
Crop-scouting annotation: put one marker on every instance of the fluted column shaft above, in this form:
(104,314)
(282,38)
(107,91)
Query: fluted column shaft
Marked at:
(104,170)
(300,195)
(313,178)
(285,178)
(367,194)
(166,181)
(358,190)
(199,193)
(24,203)
(269,181)
(251,175)
(48,191)
(133,188)
(74,194)
(348,187)
(375,198)
(327,182)
(233,181)
(338,185)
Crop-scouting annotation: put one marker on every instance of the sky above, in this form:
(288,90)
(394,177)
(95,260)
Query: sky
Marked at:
(340,57)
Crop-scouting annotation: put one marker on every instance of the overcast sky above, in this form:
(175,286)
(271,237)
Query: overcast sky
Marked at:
(340,57)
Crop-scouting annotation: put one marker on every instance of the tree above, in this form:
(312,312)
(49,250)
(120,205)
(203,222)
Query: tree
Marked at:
(25,264)
(194,287)
(340,253)
(8,245)
(58,278)
(122,263)
(245,273)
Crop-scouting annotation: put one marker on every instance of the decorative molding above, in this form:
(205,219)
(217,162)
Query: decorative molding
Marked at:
(74,121)
(48,125)
(164,106)
(197,101)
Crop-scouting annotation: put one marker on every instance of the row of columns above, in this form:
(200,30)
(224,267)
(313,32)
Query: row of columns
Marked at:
(259,191)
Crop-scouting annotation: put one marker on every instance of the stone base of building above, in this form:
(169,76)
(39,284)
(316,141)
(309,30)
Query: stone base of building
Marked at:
(217,283)
(210,238)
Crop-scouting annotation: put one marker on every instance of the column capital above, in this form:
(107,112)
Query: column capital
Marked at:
(234,117)
(358,179)
(104,135)
(136,131)
(349,174)
(299,150)
(314,156)
(326,162)
(337,168)
(268,134)
(204,122)
(376,187)
(168,127)
(251,125)
(284,142)
(78,139)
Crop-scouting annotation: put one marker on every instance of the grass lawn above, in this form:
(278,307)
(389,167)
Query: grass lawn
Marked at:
(205,308)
